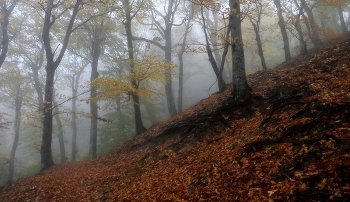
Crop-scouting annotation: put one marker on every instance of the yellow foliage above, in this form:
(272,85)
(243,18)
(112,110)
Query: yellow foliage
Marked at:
(145,72)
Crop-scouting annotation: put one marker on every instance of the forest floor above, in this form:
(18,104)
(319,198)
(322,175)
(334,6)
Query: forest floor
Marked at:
(290,142)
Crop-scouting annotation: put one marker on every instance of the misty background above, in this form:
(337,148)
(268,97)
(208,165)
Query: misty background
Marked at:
(23,72)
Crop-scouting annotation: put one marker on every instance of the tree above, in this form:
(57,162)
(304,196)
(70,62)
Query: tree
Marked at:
(139,127)
(181,62)
(282,25)
(74,68)
(52,12)
(56,114)
(315,38)
(339,5)
(6,9)
(296,21)
(96,30)
(241,90)
(216,64)
(165,31)
(256,11)
(15,87)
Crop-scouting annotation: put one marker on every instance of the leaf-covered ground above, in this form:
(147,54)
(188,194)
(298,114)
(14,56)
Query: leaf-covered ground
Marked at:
(291,142)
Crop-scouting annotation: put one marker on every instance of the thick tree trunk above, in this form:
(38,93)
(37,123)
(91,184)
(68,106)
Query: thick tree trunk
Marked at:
(283,29)
(17,123)
(241,90)
(139,127)
(168,86)
(259,44)
(46,153)
(93,105)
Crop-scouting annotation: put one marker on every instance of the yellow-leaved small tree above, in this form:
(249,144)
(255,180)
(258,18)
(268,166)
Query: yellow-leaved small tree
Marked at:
(146,73)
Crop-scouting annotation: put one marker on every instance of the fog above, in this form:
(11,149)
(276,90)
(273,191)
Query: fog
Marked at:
(116,122)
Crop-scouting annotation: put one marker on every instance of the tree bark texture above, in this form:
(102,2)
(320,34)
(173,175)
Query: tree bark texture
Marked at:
(95,53)
(240,84)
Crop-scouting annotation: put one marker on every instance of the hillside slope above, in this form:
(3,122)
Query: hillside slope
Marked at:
(290,142)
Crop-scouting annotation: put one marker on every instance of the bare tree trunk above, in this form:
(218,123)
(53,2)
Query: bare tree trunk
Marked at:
(259,44)
(46,153)
(168,86)
(139,127)
(181,62)
(241,90)
(74,126)
(17,123)
(302,42)
(95,52)
(181,81)
(60,136)
(221,82)
(283,29)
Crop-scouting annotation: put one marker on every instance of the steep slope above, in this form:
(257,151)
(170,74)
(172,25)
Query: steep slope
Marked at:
(290,142)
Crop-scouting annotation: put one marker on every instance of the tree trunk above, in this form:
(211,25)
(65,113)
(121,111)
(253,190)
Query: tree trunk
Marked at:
(181,82)
(60,136)
(283,29)
(74,128)
(60,132)
(259,44)
(181,63)
(38,88)
(342,21)
(315,38)
(51,66)
(139,127)
(95,52)
(302,42)
(5,15)
(221,82)
(241,90)
(17,123)
(46,153)
(168,86)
